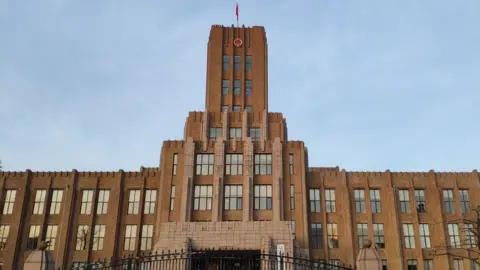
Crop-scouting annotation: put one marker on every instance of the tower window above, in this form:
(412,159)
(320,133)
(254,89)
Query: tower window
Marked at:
(224,108)
(236,108)
(255,134)
(202,199)
(236,87)
(263,164)
(39,202)
(248,87)
(204,164)
(215,132)
(225,87)
(233,164)
(262,197)
(233,197)
(237,62)
(248,62)
(235,133)
(248,108)
(9,201)
(448,201)
(226,62)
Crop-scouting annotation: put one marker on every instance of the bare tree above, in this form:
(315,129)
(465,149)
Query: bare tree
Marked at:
(1,165)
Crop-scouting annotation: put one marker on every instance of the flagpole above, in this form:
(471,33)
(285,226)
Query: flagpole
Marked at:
(236,11)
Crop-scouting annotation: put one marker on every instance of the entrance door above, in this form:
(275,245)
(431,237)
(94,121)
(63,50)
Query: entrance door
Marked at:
(226,259)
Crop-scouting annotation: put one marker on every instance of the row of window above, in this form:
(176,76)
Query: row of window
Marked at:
(236,133)
(237,62)
(237,87)
(236,108)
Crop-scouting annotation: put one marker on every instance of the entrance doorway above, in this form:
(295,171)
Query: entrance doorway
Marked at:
(226,259)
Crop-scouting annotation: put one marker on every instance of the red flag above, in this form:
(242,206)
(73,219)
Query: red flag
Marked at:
(236,12)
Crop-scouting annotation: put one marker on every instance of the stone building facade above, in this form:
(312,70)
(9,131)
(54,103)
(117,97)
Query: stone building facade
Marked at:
(235,181)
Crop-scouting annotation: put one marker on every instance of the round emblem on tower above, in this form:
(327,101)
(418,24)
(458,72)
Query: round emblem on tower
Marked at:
(238,42)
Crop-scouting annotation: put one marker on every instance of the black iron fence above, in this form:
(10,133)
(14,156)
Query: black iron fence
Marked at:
(211,260)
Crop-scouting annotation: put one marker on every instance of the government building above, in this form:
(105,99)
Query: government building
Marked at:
(235,181)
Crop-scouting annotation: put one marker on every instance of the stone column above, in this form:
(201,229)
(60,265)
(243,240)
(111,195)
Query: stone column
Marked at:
(187,187)
(277,176)
(248,179)
(219,168)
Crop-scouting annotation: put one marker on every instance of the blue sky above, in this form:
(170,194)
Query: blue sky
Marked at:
(368,85)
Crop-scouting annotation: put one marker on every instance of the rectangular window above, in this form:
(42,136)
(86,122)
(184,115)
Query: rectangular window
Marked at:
(235,133)
(225,87)
(314,195)
(332,235)
(202,199)
(362,233)
(234,164)
(175,163)
(408,235)
(464,201)
(39,204)
(82,236)
(226,62)
(236,62)
(233,197)
(255,134)
(378,235)
(330,204)
(224,108)
(290,163)
(448,201)
(359,201)
(375,205)
(292,197)
(33,237)
(51,236)
(248,62)
(428,264)
(133,201)
(454,235)
(172,198)
(263,197)
(419,196)
(457,264)
(215,132)
(147,237)
(263,164)
(87,199)
(150,201)
(236,87)
(4,231)
(412,265)
(204,164)
(98,237)
(424,235)
(404,197)
(292,227)
(248,87)
(9,201)
(470,233)
(56,202)
(384,265)
(248,109)
(130,237)
(236,109)
(317,235)
(102,203)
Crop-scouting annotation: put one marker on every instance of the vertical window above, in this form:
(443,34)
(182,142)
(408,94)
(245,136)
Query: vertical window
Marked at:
(470,234)
(150,201)
(226,62)
(255,134)
(248,87)
(233,197)
(378,235)
(317,235)
(330,204)
(464,201)
(424,235)
(204,164)
(236,109)
(234,164)
(263,164)
(39,202)
(404,196)
(102,203)
(292,197)
(236,62)
(56,203)
(448,202)
(263,197)
(236,87)
(332,235)
(147,237)
(175,163)
(457,264)
(172,198)
(359,195)
(248,62)
(225,87)
(133,201)
(362,233)
(248,109)
(202,199)
(33,236)
(292,226)
(375,205)
(235,133)
(314,195)
(51,236)
(428,264)
(408,235)
(454,235)
(130,237)
(224,108)
(82,236)
(98,237)
(215,132)
(290,163)
(412,265)
(419,196)
(9,201)
(384,265)
(87,199)
(4,230)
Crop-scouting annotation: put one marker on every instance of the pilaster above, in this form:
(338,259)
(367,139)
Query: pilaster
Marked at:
(188,167)
(219,168)
(264,130)
(248,179)
(205,128)
(225,126)
(277,174)
(244,125)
